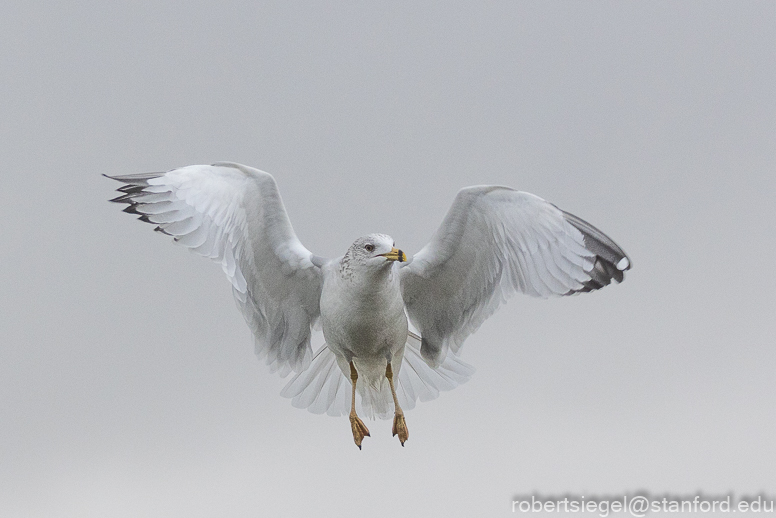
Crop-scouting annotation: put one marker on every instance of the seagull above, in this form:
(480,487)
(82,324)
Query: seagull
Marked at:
(493,242)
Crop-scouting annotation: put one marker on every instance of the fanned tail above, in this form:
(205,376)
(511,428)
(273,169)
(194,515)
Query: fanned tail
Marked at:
(321,388)
(419,380)
(324,388)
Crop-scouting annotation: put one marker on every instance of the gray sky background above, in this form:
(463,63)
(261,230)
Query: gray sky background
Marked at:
(128,383)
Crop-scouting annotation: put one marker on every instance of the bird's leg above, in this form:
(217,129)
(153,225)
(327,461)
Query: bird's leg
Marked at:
(399,424)
(359,428)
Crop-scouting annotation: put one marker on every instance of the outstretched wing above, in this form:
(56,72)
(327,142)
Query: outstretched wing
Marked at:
(234,215)
(493,242)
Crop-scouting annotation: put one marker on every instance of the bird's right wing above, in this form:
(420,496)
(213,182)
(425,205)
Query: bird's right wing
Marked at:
(234,215)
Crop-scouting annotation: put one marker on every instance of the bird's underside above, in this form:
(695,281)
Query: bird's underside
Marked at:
(493,242)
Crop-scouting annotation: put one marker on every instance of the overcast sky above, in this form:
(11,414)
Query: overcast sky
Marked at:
(128,383)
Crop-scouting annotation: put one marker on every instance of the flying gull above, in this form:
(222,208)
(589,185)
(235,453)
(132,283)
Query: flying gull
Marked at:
(493,242)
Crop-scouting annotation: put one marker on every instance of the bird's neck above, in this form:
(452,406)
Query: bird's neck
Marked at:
(370,282)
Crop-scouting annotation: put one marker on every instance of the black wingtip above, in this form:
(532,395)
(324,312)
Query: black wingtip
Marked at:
(611,261)
(599,243)
(140,179)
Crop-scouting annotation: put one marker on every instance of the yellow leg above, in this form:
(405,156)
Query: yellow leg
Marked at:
(359,428)
(399,424)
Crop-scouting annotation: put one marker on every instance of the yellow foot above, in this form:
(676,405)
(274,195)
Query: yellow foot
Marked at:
(400,428)
(359,430)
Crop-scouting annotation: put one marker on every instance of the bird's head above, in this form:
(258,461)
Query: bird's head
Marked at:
(374,250)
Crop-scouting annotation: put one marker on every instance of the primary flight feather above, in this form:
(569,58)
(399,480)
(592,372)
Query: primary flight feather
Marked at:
(493,242)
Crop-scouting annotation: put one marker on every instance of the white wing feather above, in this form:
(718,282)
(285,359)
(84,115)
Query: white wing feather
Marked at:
(234,215)
(493,242)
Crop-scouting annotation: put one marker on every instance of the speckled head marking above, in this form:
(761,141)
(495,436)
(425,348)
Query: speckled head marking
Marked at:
(364,250)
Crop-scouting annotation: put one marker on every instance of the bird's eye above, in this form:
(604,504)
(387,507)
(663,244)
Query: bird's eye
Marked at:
(369,247)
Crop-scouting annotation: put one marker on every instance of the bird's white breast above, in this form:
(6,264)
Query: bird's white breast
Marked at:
(363,315)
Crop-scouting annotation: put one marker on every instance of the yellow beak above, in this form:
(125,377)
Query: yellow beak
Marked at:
(395,255)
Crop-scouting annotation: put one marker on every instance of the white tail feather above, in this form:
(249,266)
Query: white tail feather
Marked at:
(324,388)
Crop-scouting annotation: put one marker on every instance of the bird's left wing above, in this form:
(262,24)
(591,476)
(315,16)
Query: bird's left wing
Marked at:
(234,215)
(493,242)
